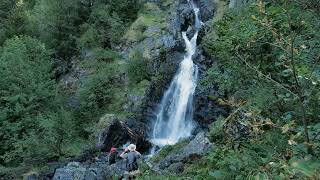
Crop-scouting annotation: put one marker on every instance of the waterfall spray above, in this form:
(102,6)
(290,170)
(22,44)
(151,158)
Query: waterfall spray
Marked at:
(174,117)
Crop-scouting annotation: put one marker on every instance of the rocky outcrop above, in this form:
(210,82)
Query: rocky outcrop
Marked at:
(175,162)
(207,9)
(182,17)
(114,132)
(97,170)
(206,107)
(166,62)
(109,132)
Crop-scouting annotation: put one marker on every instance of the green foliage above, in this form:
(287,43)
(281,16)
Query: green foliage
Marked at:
(103,28)
(215,129)
(254,58)
(105,55)
(46,141)
(126,9)
(34,124)
(266,156)
(26,89)
(138,68)
(266,55)
(150,16)
(13,19)
(56,23)
(98,91)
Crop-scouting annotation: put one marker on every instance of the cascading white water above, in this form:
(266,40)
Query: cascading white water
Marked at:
(174,118)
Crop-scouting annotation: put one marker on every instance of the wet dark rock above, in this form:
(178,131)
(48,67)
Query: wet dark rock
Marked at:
(112,134)
(96,170)
(203,62)
(168,41)
(198,147)
(179,46)
(166,68)
(205,28)
(183,17)
(32,177)
(48,173)
(206,108)
(115,132)
(191,32)
(72,171)
(176,168)
(207,9)
(60,67)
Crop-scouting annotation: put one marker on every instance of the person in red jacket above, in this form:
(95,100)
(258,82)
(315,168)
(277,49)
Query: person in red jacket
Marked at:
(112,155)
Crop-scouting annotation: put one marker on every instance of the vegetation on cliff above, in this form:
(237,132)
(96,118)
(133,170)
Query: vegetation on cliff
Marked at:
(39,41)
(267,70)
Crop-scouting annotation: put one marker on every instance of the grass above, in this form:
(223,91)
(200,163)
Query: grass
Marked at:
(150,15)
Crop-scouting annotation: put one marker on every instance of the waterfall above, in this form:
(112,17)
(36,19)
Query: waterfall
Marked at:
(174,117)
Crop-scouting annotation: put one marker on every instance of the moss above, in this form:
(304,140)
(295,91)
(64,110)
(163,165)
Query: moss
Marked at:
(150,15)
(151,7)
(167,3)
(134,36)
(170,149)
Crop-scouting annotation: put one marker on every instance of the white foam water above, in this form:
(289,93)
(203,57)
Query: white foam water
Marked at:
(174,117)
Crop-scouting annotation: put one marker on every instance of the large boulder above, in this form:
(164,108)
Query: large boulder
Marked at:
(73,171)
(182,17)
(97,170)
(113,131)
(109,132)
(175,162)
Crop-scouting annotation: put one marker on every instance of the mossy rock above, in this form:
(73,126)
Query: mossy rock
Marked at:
(105,120)
(169,149)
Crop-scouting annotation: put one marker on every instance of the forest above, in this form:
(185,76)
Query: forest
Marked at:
(70,68)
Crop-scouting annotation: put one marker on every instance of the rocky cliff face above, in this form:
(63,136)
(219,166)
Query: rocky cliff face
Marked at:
(163,45)
(180,17)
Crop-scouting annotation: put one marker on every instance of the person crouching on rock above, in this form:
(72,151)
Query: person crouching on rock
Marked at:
(112,155)
(131,156)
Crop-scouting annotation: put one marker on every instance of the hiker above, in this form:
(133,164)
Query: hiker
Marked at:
(112,155)
(131,156)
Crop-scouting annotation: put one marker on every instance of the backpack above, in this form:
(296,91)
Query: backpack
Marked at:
(131,162)
(112,158)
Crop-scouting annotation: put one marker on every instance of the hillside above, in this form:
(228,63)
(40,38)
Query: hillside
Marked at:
(206,89)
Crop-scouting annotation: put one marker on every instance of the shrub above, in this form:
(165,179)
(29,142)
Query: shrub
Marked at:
(138,68)
(26,90)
